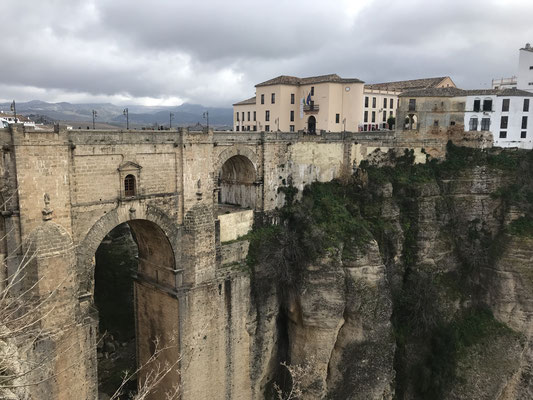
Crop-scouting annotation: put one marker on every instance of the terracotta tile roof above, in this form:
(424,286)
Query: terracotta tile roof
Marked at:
(499,92)
(295,81)
(435,92)
(456,92)
(251,100)
(401,86)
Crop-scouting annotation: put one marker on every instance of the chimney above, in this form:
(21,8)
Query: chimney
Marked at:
(528,46)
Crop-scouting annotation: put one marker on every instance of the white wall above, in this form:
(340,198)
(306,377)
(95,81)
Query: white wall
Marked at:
(525,73)
(514,126)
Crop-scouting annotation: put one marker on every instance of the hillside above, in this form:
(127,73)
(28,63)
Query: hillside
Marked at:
(185,114)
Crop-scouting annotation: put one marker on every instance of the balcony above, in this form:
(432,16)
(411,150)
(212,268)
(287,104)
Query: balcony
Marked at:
(311,108)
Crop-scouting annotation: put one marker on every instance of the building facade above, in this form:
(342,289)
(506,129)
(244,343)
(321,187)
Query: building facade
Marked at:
(505,113)
(381,99)
(326,103)
(525,68)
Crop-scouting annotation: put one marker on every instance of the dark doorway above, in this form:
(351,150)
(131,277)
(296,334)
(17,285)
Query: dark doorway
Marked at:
(116,262)
(311,124)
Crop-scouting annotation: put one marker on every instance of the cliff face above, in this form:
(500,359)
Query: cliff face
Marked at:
(405,281)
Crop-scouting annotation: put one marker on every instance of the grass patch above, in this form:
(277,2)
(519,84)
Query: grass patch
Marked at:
(522,227)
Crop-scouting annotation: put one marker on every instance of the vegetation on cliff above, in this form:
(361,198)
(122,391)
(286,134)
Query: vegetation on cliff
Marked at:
(439,313)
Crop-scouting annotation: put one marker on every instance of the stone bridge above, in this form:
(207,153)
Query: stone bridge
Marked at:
(64,190)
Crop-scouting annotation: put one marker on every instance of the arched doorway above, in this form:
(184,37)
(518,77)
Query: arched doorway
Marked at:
(311,124)
(237,182)
(137,313)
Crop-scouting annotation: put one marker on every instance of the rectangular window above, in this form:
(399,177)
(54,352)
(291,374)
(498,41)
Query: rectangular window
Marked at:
(267,128)
(248,115)
(505,104)
(273,98)
(523,134)
(267,115)
(366,116)
(526,104)
(384,102)
(237,115)
(262,99)
(373,116)
(248,128)
(291,128)
(524,122)
(473,124)
(373,102)
(312,90)
(485,124)
(255,127)
(531,67)
(254,117)
(391,104)
(384,116)
(366,101)
(503,134)
(477,105)
(436,122)
(242,116)
(503,122)
(487,105)
(292,116)
(337,118)
(390,114)
(237,128)
(292,98)
(412,104)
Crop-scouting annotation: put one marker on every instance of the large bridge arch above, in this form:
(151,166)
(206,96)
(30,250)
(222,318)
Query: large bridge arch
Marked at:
(156,304)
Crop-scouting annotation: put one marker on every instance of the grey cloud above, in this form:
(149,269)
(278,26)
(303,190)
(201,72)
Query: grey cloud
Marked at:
(213,52)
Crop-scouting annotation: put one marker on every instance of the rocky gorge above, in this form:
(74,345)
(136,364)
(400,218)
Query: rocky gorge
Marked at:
(401,281)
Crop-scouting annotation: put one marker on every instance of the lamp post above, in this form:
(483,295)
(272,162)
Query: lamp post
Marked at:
(14,109)
(94,117)
(125,112)
(170,120)
(206,116)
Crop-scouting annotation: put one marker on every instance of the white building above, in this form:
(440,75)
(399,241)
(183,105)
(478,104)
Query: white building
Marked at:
(525,68)
(507,113)
(21,119)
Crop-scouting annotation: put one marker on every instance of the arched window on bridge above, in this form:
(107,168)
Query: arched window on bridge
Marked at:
(129,186)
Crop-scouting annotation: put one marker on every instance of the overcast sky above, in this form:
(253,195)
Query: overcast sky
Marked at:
(212,52)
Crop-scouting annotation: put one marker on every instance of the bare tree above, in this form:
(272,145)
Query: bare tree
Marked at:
(298,373)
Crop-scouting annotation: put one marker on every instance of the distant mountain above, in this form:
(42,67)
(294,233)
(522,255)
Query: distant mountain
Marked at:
(185,114)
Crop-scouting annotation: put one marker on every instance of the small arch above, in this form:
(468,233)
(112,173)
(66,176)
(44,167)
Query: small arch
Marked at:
(129,186)
(311,124)
(237,178)
(411,122)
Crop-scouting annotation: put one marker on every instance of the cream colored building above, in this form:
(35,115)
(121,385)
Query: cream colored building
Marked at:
(381,99)
(326,103)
